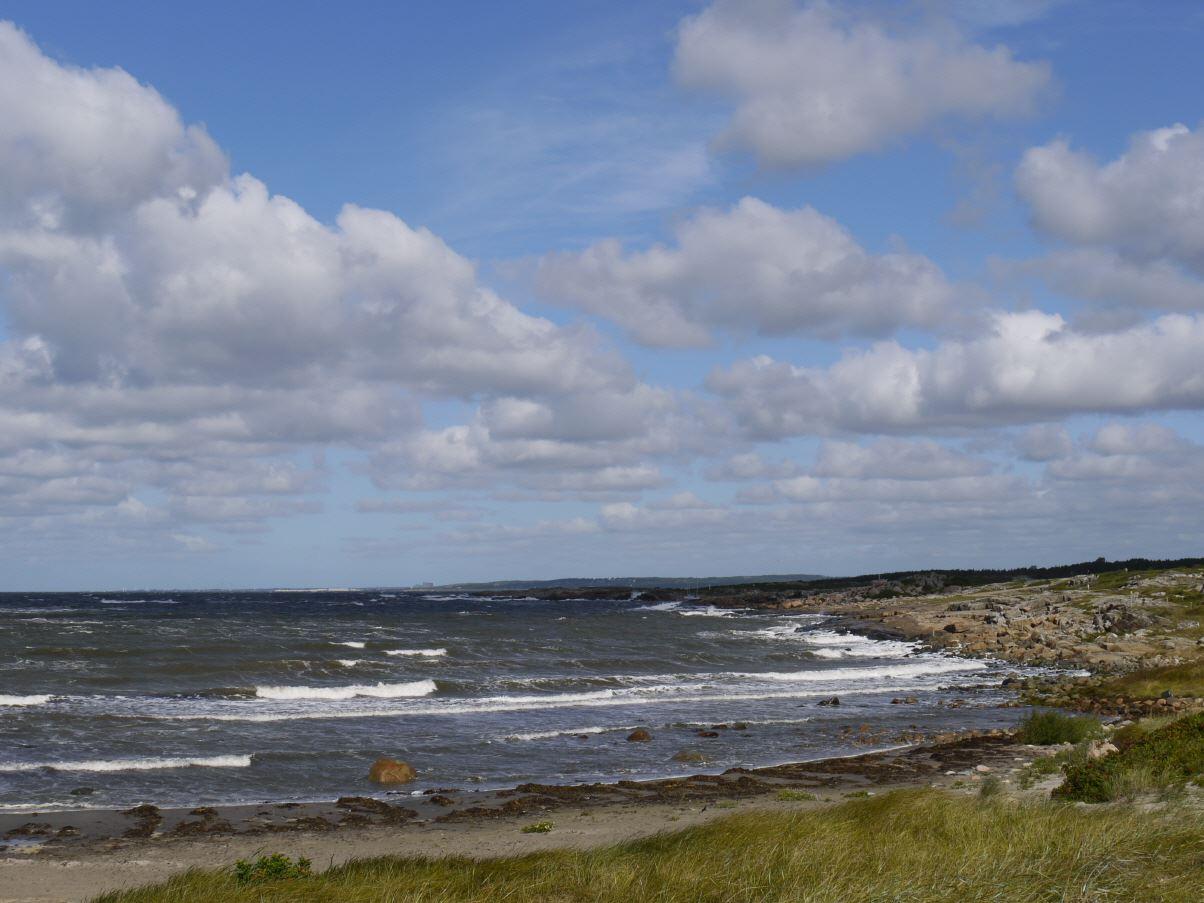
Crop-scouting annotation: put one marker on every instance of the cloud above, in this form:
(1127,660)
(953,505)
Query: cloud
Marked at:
(176,332)
(1028,367)
(1147,204)
(752,268)
(818,83)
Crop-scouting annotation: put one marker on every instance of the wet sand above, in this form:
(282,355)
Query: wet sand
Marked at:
(74,854)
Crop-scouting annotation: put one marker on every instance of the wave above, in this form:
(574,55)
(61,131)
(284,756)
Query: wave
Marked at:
(378,691)
(138,601)
(352,643)
(432,653)
(39,699)
(709,611)
(911,669)
(659,606)
(349,662)
(148,764)
(566,732)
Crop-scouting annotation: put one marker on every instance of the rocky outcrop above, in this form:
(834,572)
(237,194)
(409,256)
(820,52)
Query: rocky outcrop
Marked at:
(639,735)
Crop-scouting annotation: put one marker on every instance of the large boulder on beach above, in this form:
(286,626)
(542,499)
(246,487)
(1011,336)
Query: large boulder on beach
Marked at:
(391,771)
(639,735)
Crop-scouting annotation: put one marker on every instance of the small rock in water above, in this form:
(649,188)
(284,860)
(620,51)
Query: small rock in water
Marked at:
(83,791)
(639,735)
(834,700)
(689,755)
(708,733)
(391,771)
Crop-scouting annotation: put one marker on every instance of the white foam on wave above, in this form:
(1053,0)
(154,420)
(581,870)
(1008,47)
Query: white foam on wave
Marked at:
(349,662)
(659,606)
(352,643)
(600,699)
(37,699)
(377,691)
(566,732)
(148,764)
(430,653)
(922,668)
(708,611)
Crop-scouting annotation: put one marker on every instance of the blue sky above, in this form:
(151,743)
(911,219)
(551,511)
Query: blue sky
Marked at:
(953,325)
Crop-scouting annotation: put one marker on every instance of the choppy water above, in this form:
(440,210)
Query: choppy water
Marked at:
(189,698)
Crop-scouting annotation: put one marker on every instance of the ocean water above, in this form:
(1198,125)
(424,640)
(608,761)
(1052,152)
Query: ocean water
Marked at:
(208,698)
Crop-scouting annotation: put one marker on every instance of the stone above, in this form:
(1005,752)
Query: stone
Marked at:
(691,756)
(83,791)
(1100,748)
(639,735)
(391,771)
(832,700)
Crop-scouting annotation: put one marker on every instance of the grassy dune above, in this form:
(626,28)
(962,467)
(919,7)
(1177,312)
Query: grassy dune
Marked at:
(903,846)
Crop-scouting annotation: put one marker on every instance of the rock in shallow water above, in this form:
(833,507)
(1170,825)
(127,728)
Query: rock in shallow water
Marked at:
(391,771)
(639,735)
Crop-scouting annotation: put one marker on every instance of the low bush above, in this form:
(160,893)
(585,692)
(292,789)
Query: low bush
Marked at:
(1159,760)
(540,827)
(796,796)
(276,867)
(1050,728)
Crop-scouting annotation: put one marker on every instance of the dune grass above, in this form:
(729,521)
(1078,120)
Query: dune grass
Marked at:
(911,845)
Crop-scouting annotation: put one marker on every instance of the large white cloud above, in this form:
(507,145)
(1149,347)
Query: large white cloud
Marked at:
(1028,367)
(1147,204)
(166,319)
(818,82)
(751,268)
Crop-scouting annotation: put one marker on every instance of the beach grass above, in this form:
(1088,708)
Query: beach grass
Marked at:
(1050,728)
(907,845)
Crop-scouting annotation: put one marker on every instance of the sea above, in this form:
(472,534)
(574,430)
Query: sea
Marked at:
(183,699)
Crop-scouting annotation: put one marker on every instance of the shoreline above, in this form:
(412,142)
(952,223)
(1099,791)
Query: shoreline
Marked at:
(105,850)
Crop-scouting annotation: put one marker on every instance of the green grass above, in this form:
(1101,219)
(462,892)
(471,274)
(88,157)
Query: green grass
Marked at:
(539,827)
(1161,760)
(1049,728)
(914,845)
(1186,679)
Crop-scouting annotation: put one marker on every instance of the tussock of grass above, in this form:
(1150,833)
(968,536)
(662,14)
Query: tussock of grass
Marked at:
(1050,728)
(902,846)
(1159,760)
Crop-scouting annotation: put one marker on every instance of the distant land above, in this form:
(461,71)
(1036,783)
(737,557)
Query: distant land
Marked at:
(626,582)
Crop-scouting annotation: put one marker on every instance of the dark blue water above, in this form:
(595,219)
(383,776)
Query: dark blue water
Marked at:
(185,698)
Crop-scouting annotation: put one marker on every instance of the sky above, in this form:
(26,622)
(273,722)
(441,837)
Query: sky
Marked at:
(297,295)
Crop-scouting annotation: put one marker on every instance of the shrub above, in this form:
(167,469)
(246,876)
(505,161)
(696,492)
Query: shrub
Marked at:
(796,796)
(276,867)
(991,786)
(1050,728)
(1160,760)
(540,827)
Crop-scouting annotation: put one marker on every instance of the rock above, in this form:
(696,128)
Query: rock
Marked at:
(639,735)
(982,769)
(83,791)
(391,771)
(708,734)
(1167,694)
(950,628)
(832,700)
(1100,748)
(691,756)
(739,726)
